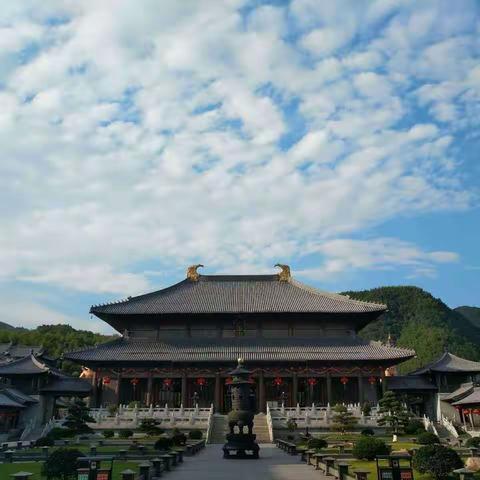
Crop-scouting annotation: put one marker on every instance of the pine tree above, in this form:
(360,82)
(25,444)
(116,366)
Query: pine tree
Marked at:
(343,420)
(77,417)
(393,413)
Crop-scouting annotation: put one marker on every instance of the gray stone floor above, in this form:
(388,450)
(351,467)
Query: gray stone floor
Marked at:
(273,464)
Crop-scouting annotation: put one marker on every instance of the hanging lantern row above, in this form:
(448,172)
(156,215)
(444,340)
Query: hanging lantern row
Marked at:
(372,380)
(469,411)
(312,381)
(201,381)
(344,380)
(277,381)
(106,380)
(168,382)
(134,381)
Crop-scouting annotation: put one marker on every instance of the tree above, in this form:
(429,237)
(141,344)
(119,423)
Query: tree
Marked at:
(77,417)
(369,447)
(61,464)
(437,460)
(343,420)
(392,413)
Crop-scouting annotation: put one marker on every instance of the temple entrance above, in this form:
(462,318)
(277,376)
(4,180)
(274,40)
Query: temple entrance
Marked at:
(345,390)
(279,389)
(312,390)
(167,391)
(133,390)
(200,390)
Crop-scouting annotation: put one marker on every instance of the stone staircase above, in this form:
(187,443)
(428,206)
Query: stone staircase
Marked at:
(219,429)
(260,428)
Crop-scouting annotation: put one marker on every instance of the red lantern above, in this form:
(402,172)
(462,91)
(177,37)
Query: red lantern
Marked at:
(228,381)
(278,381)
(466,411)
(476,411)
(201,381)
(167,382)
(106,380)
(344,380)
(312,381)
(372,380)
(134,381)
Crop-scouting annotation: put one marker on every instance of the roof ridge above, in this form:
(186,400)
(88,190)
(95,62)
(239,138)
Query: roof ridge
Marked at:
(338,296)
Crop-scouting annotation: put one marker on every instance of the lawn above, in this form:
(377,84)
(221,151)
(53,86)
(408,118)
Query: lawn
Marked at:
(7,469)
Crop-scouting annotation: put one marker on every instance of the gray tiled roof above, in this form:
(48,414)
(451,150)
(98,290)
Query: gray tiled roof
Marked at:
(472,399)
(204,350)
(449,363)
(19,396)
(237,294)
(7,401)
(67,385)
(28,365)
(404,382)
(462,391)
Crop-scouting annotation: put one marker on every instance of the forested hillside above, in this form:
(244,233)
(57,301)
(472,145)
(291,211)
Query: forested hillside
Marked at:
(470,313)
(56,339)
(417,320)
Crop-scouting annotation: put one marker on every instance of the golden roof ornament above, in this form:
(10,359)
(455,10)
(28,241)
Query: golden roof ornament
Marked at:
(284,275)
(192,273)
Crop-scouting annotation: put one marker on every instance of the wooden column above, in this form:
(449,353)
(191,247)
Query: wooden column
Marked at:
(94,395)
(294,389)
(384,381)
(262,406)
(117,387)
(149,398)
(184,390)
(329,388)
(360,388)
(218,393)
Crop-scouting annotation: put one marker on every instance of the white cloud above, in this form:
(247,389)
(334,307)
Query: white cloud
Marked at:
(184,131)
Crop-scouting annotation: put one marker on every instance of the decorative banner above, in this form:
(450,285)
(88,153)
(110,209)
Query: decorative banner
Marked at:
(168,382)
(372,380)
(344,380)
(312,381)
(106,380)
(134,381)
(277,381)
(201,381)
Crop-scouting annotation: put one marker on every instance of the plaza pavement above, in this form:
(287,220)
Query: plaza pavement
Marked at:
(273,464)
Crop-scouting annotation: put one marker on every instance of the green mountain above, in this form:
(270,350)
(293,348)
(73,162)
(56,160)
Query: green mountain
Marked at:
(470,313)
(6,326)
(417,320)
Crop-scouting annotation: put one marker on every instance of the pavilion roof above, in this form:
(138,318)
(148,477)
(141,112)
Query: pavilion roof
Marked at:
(461,392)
(405,382)
(65,385)
(472,399)
(237,294)
(449,363)
(9,402)
(335,349)
(28,365)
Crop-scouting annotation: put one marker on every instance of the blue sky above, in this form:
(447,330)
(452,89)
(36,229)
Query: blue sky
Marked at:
(339,137)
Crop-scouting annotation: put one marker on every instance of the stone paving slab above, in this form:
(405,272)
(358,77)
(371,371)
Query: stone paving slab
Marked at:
(273,464)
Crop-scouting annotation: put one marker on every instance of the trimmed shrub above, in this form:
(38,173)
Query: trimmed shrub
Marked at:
(108,433)
(317,443)
(473,442)
(437,460)
(58,433)
(45,442)
(150,427)
(125,433)
(413,427)
(427,438)
(163,443)
(135,403)
(290,438)
(179,439)
(292,425)
(61,464)
(366,409)
(367,432)
(369,447)
(195,434)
